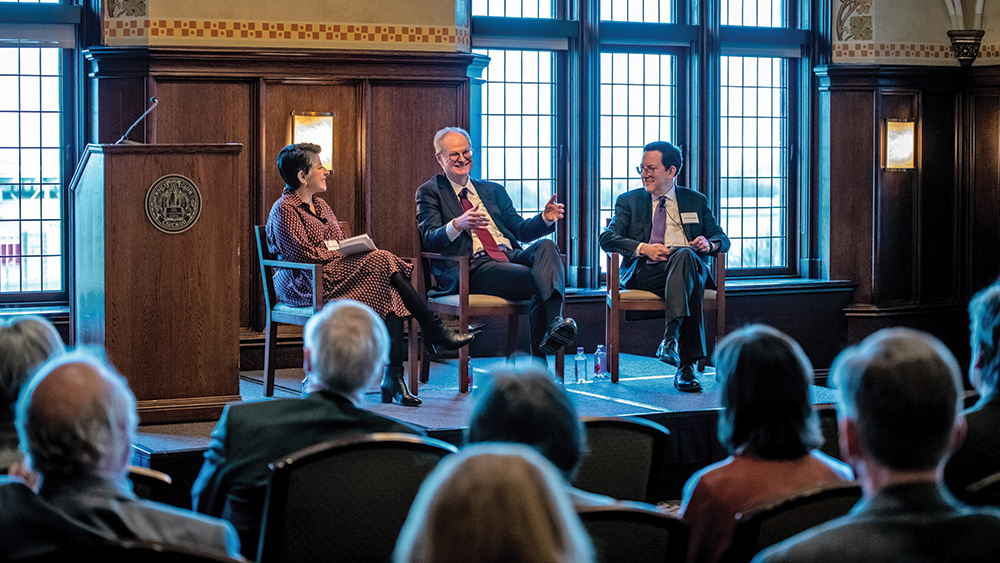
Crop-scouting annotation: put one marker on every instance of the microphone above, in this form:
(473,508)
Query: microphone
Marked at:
(137,121)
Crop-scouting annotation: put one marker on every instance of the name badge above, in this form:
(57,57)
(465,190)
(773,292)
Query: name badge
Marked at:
(332,245)
(690,217)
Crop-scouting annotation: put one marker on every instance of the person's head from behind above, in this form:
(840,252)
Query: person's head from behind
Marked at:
(77,417)
(493,502)
(524,405)
(25,344)
(984,326)
(346,348)
(297,162)
(899,394)
(764,377)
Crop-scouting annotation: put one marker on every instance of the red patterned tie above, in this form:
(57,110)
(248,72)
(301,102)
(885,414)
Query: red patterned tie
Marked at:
(489,244)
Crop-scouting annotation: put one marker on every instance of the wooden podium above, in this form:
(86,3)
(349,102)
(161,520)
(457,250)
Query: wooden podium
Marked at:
(156,272)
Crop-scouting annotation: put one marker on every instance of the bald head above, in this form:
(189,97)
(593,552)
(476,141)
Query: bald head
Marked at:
(77,417)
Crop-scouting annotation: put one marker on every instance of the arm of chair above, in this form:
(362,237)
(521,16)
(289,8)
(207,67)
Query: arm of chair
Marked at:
(613,277)
(463,274)
(317,275)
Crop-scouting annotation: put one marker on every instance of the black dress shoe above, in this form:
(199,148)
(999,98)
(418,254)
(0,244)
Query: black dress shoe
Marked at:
(394,387)
(436,335)
(685,380)
(667,352)
(560,333)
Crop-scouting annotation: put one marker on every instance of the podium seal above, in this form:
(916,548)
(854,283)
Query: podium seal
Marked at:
(173,204)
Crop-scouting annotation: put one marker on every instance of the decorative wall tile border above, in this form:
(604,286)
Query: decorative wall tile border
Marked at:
(118,30)
(918,52)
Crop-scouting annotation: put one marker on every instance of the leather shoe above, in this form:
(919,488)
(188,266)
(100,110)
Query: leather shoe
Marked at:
(394,387)
(436,335)
(560,333)
(667,352)
(685,380)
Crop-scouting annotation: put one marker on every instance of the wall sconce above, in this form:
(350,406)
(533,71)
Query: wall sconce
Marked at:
(315,127)
(899,146)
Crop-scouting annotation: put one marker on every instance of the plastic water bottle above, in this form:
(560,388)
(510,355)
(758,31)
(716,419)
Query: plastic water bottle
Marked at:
(580,365)
(600,363)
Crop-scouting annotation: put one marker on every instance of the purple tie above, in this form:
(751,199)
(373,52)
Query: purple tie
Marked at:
(659,223)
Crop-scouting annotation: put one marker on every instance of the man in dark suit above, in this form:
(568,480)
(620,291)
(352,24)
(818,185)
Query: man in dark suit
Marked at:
(77,419)
(460,216)
(979,456)
(665,234)
(346,347)
(898,417)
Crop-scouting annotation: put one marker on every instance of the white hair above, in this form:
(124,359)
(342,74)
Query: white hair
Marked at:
(439,137)
(92,442)
(348,346)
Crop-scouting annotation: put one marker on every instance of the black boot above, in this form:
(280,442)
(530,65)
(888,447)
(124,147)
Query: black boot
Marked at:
(394,387)
(436,335)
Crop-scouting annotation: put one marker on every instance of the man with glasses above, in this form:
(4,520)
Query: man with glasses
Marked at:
(461,216)
(665,234)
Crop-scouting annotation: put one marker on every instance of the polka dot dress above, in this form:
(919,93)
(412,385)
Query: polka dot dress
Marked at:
(295,234)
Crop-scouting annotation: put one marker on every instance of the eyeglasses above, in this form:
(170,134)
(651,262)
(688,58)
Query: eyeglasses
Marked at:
(646,170)
(456,156)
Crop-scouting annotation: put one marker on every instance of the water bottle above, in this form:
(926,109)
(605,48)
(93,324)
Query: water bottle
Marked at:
(600,363)
(580,365)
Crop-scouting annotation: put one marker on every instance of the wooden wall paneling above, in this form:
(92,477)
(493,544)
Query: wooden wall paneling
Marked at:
(894,275)
(851,188)
(402,120)
(199,111)
(984,188)
(938,218)
(117,102)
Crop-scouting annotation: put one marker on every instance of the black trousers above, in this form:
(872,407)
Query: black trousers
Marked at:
(534,273)
(680,280)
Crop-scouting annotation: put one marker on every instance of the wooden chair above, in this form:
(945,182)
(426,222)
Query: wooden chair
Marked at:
(770,523)
(278,312)
(465,306)
(625,458)
(156,485)
(621,300)
(345,499)
(624,534)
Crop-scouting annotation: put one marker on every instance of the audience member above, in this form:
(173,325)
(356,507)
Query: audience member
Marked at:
(979,455)
(500,503)
(770,428)
(25,343)
(524,405)
(77,419)
(899,417)
(346,348)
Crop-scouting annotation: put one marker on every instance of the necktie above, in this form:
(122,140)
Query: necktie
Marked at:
(489,243)
(659,223)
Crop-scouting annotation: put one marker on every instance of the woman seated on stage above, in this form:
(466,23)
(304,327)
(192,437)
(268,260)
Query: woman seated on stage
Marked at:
(772,431)
(301,228)
(493,503)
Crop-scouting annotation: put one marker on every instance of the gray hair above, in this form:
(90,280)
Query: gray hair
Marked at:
(348,345)
(904,389)
(439,137)
(25,343)
(984,328)
(92,441)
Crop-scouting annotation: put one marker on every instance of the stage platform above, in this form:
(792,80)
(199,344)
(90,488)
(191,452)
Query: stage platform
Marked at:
(645,389)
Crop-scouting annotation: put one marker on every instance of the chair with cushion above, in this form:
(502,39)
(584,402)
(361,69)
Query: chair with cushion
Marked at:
(278,312)
(622,300)
(625,458)
(770,523)
(624,534)
(345,499)
(465,306)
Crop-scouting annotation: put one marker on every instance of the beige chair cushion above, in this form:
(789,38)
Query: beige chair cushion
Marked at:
(286,308)
(477,300)
(640,295)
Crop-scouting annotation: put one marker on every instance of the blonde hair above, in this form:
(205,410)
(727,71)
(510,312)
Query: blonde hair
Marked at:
(493,502)
(25,344)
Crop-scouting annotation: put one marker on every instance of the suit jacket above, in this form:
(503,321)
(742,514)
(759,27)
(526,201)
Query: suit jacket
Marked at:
(633,221)
(904,523)
(74,511)
(437,205)
(979,454)
(233,479)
